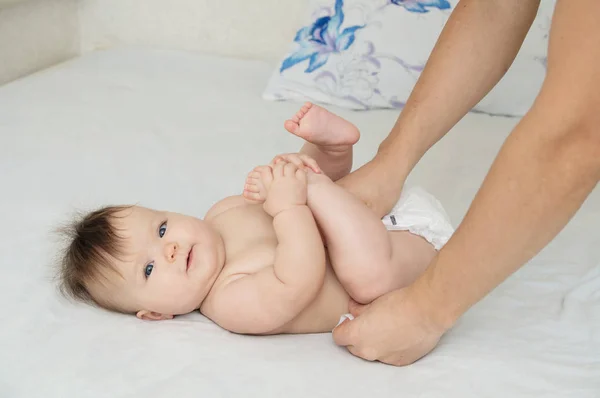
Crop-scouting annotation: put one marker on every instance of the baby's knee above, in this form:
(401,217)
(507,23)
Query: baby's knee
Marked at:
(368,289)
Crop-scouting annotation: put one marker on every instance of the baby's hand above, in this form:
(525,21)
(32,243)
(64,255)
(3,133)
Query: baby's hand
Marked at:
(287,190)
(301,161)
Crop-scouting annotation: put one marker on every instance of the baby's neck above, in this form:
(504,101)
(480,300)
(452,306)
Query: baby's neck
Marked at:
(221,259)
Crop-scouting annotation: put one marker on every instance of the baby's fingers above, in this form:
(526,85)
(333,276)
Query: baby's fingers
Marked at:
(290,158)
(276,160)
(301,161)
(301,176)
(310,162)
(289,170)
(278,169)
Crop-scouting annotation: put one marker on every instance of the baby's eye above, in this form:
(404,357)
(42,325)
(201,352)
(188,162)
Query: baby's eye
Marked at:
(162,230)
(148,269)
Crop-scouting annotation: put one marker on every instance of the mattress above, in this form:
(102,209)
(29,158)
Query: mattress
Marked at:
(178,131)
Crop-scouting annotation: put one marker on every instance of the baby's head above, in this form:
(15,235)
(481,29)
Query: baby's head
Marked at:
(136,260)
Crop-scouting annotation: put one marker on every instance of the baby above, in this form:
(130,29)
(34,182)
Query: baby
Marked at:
(284,257)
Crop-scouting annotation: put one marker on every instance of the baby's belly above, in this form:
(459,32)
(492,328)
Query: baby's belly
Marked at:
(323,314)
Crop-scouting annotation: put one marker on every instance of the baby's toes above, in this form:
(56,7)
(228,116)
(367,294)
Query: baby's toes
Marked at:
(265,176)
(252,197)
(257,184)
(252,187)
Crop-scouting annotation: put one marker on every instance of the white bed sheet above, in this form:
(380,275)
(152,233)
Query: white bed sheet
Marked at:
(178,131)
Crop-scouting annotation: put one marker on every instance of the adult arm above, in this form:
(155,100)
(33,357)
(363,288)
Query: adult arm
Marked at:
(475,49)
(543,173)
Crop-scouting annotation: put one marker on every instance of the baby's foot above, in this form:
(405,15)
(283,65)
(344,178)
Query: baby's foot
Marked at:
(322,128)
(257,184)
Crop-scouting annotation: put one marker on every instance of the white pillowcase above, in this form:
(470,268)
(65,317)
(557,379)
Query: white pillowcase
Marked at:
(366,54)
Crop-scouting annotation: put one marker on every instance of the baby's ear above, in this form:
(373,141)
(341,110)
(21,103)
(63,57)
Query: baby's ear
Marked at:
(152,316)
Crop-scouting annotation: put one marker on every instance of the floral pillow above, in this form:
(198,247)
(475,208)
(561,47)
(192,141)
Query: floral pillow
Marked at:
(366,54)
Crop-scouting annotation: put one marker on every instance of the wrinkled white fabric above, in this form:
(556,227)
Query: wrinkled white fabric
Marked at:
(179,131)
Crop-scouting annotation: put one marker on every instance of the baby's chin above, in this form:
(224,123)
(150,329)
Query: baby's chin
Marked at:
(188,307)
(187,310)
(185,303)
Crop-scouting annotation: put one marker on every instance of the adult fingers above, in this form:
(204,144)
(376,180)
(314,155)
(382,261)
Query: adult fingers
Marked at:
(357,309)
(344,333)
(366,354)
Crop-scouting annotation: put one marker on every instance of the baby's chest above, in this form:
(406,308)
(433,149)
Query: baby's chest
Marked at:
(249,238)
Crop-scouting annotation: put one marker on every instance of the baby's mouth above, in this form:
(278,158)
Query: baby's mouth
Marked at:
(190,258)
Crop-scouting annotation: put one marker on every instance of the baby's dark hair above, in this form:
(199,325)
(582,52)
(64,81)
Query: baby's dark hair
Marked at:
(93,241)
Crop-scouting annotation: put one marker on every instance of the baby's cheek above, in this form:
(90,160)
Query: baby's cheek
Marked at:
(177,289)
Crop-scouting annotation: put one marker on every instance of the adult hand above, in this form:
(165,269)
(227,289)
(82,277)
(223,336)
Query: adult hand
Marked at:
(377,184)
(398,328)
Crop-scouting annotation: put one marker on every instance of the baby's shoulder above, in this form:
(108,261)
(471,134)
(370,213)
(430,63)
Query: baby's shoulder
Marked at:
(223,205)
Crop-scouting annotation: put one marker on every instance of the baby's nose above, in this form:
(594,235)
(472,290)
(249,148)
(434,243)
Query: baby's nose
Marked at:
(171,251)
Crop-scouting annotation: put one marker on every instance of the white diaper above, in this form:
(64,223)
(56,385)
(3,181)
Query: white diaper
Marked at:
(343,318)
(420,213)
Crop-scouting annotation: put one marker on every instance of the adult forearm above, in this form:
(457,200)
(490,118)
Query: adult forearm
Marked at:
(536,184)
(543,173)
(476,48)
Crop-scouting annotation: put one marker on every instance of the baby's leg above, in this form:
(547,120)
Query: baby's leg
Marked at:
(368,260)
(329,138)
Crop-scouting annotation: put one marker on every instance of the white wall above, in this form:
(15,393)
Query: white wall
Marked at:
(245,28)
(36,34)
(4,3)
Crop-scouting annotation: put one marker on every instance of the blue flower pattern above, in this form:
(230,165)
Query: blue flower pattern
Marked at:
(352,73)
(421,6)
(325,36)
(321,39)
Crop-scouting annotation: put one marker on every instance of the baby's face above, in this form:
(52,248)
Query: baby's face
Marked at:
(171,262)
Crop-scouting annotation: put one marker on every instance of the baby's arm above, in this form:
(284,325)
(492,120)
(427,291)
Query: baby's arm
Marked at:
(265,301)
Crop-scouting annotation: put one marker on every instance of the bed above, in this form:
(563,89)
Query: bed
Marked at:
(178,131)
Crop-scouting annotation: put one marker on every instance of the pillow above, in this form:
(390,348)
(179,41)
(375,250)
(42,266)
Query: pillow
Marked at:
(367,54)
